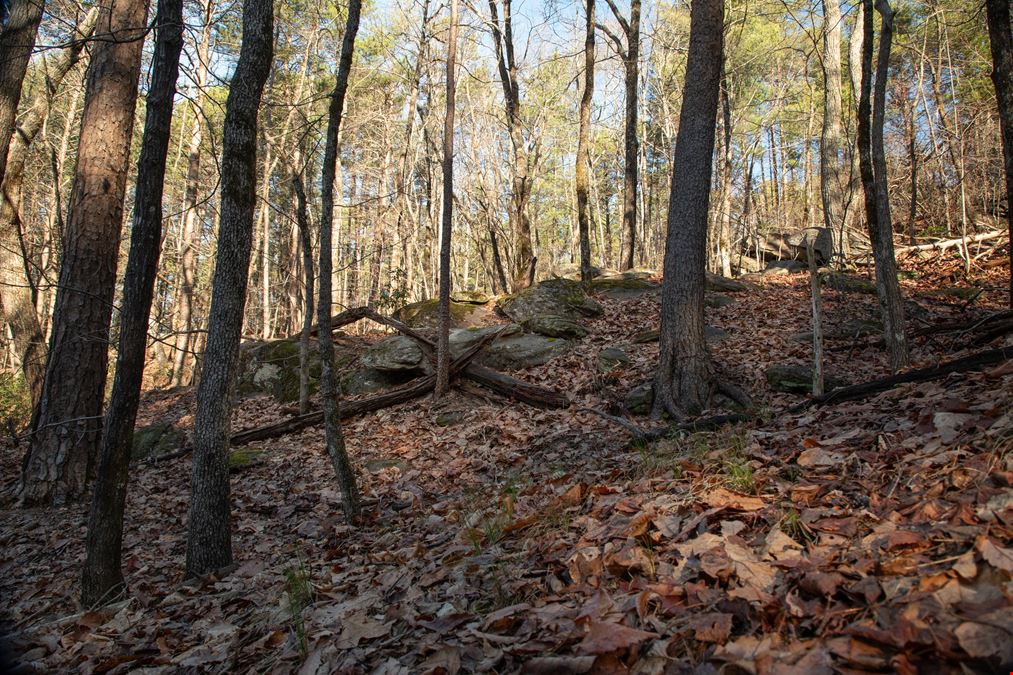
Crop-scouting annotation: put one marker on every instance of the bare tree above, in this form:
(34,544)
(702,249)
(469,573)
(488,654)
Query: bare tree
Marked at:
(630,54)
(443,343)
(520,194)
(17,294)
(329,385)
(102,578)
(871,115)
(830,140)
(582,183)
(998,13)
(67,424)
(17,40)
(684,377)
(209,535)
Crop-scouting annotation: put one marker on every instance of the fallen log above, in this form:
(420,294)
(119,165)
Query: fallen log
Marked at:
(945,244)
(970,363)
(351,408)
(505,385)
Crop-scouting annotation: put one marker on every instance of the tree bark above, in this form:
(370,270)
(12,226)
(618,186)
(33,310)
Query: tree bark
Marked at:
(684,377)
(17,41)
(582,183)
(874,182)
(446,226)
(102,578)
(209,536)
(830,139)
(16,290)
(520,194)
(306,242)
(67,425)
(998,13)
(329,384)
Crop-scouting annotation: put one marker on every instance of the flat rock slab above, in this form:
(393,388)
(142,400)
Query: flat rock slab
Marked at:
(396,353)
(623,287)
(555,326)
(847,283)
(522,350)
(426,314)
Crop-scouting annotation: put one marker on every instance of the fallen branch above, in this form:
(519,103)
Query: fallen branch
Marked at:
(641,434)
(415,389)
(970,363)
(944,244)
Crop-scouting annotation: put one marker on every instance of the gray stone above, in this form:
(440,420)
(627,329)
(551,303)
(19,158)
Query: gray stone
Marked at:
(611,358)
(847,283)
(462,339)
(273,368)
(522,351)
(470,297)
(155,440)
(623,287)
(797,379)
(396,353)
(554,297)
(776,267)
(640,399)
(426,314)
(716,282)
(555,326)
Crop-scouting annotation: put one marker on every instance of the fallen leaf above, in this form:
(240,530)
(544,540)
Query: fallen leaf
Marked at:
(606,638)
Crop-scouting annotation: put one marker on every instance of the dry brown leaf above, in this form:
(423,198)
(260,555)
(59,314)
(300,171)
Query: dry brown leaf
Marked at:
(723,498)
(607,638)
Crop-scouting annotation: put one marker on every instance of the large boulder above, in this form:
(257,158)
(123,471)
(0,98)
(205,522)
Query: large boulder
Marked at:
(273,368)
(426,313)
(394,354)
(848,283)
(640,399)
(522,350)
(553,297)
(463,339)
(555,326)
(155,440)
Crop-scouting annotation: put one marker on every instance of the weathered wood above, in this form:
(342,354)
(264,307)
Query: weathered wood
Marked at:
(505,385)
(970,363)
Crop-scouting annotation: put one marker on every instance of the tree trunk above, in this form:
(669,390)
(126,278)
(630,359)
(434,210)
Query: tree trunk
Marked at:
(874,182)
(306,242)
(102,578)
(520,194)
(209,536)
(830,139)
(190,235)
(67,426)
(583,161)
(329,384)
(684,376)
(631,179)
(16,291)
(17,41)
(998,12)
(447,221)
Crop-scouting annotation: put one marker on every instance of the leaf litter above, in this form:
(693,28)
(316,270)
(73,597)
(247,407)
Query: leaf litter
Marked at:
(868,536)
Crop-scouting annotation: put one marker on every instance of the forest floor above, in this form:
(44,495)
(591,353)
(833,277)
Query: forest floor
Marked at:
(871,535)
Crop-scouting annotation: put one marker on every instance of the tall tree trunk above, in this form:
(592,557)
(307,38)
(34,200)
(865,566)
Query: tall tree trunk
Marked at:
(329,384)
(830,139)
(190,235)
(583,160)
(447,220)
(67,426)
(102,578)
(16,291)
(724,216)
(998,12)
(871,116)
(684,376)
(503,40)
(306,243)
(209,534)
(17,41)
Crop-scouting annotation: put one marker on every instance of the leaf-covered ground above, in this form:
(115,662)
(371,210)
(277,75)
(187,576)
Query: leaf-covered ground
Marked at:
(866,536)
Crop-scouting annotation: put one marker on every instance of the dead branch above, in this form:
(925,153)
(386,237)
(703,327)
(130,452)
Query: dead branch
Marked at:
(970,363)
